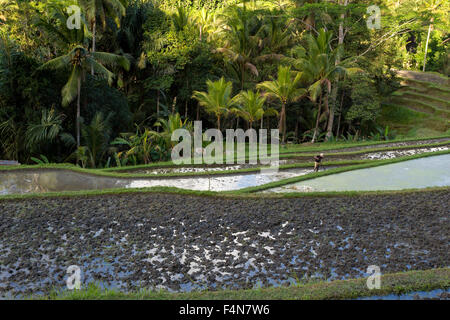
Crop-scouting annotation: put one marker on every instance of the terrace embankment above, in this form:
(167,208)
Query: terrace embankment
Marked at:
(183,242)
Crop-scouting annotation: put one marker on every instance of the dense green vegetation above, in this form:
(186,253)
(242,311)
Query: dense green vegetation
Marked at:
(111,92)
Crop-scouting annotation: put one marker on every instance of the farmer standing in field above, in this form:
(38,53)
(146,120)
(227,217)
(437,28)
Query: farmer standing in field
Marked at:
(317,160)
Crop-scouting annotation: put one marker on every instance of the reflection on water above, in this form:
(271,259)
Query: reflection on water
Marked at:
(191,169)
(18,182)
(419,173)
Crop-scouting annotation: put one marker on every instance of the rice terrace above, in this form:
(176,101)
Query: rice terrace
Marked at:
(224,150)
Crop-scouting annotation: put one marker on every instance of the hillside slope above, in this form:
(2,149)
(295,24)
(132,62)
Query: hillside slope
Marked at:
(421,107)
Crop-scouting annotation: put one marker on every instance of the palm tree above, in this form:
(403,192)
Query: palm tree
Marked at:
(79,60)
(101,9)
(204,21)
(276,35)
(181,18)
(56,30)
(217,100)
(319,66)
(140,145)
(250,106)
(173,123)
(47,130)
(96,137)
(284,88)
(240,42)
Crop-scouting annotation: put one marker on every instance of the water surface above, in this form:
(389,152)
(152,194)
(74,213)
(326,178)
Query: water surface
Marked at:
(419,173)
(51,180)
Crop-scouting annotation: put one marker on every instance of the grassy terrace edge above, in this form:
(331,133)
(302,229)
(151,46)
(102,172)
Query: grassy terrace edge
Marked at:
(113,172)
(324,146)
(247,191)
(395,283)
(303,151)
(415,146)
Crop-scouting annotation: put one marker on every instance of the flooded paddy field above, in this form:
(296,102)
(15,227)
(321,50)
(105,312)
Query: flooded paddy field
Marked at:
(378,155)
(426,172)
(182,243)
(384,145)
(186,169)
(48,180)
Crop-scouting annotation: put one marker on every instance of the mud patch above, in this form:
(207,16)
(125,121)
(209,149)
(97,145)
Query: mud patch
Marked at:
(182,243)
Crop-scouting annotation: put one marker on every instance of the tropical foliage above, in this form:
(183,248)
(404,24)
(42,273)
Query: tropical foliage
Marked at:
(111,92)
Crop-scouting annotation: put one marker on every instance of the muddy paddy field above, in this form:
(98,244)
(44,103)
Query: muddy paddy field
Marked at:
(183,243)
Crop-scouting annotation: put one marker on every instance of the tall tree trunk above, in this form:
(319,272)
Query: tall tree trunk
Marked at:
(340,116)
(242,76)
(317,119)
(331,112)
(282,122)
(78,110)
(426,45)
(94,27)
(157,108)
(173,104)
(335,82)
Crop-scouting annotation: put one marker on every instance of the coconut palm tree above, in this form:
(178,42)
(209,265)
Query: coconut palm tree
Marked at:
(240,42)
(204,21)
(47,130)
(181,18)
(168,126)
(319,66)
(217,100)
(62,36)
(250,106)
(284,88)
(79,60)
(101,9)
(96,137)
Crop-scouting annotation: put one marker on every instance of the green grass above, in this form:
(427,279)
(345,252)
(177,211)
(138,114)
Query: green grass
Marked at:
(410,123)
(438,102)
(396,283)
(422,106)
(427,84)
(428,103)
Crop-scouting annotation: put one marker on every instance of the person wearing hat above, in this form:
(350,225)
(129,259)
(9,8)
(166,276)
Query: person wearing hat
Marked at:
(317,160)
